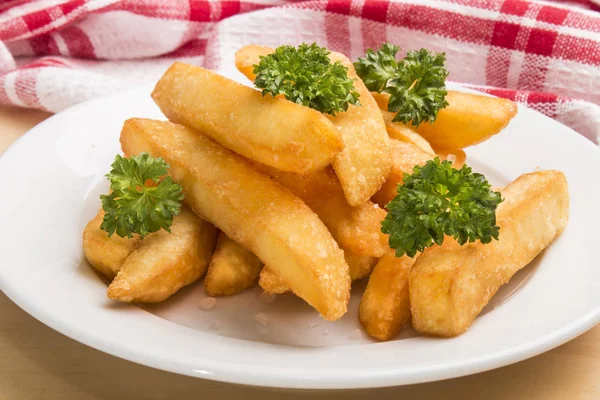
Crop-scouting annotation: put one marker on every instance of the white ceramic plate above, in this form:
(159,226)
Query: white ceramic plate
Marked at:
(51,180)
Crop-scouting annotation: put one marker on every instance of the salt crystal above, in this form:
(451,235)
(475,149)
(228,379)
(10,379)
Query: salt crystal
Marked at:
(314,324)
(276,158)
(261,319)
(375,205)
(325,332)
(208,303)
(267,297)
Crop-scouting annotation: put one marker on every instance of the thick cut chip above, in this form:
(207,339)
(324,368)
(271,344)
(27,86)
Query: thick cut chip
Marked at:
(275,132)
(165,262)
(363,164)
(359,267)
(232,269)
(255,211)
(467,120)
(451,284)
(385,306)
(405,133)
(357,229)
(106,254)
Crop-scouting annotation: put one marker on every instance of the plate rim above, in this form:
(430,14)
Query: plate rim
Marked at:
(369,379)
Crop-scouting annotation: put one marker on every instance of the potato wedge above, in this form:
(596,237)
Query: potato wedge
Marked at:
(232,269)
(469,119)
(271,282)
(357,229)
(248,56)
(275,132)
(258,213)
(362,165)
(106,254)
(451,284)
(385,306)
(405,133)
(359,267)
(165,262)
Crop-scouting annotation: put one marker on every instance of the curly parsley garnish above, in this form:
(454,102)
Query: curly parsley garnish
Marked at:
(306,75)
(416,84)
(140,201)
(437,200)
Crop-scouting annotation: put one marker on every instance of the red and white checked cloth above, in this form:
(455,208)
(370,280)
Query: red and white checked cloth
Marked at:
(543,54)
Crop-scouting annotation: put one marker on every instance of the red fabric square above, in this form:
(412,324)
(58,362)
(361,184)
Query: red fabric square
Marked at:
(37,19)
(541,42)
(66,8)
(375,10)
(229,8)
(199,10)
(339,6)
(552,15)
(505,35)
(514,7)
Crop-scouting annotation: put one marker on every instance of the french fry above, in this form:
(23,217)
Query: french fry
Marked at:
(450,284)
(165,262)
(359,267)
(248,56)
(385,306)
(106,254)
(232,269)
(357,229)
(275,132)
(253,210)
(270,282)
(362,165)
(467,120)
(405,133)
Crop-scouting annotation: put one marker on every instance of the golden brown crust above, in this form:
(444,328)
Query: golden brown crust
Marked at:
(232,269)
(385,307)
(106,254)
(251,209)
(165,262)
(276,132)
(451,284)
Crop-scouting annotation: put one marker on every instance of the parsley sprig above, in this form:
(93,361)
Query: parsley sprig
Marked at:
(416,84)
(306,75)
(142,199)
(438,200)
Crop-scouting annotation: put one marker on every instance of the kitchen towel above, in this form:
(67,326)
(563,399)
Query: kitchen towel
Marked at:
(546,55)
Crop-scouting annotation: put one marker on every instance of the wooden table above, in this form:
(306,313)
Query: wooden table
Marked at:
(39,363)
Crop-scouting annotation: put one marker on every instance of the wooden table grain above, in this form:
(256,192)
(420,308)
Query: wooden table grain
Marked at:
(39,363)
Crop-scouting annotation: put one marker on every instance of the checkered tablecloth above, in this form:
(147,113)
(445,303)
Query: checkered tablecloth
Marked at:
(543,54)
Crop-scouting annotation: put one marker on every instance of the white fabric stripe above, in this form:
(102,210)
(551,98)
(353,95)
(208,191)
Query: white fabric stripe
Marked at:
(356,38)
(495,16)
(63,49)
(62,20)
(11,90)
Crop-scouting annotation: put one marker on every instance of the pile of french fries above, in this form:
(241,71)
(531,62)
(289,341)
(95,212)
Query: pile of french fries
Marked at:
(280,195)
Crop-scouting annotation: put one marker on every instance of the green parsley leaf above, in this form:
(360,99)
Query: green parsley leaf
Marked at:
(135,205)
(416,84)
(377,68)
(438,200)
(305,75)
